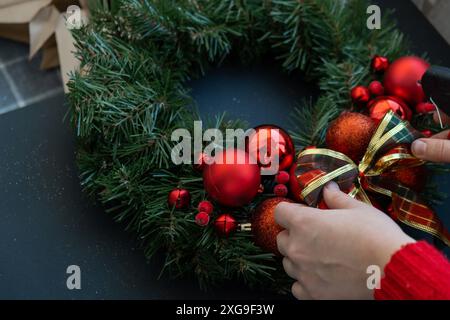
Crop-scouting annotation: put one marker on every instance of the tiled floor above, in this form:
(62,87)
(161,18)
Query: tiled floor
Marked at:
(22,82)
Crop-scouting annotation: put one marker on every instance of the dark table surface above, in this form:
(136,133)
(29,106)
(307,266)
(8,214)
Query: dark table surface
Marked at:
(48,224)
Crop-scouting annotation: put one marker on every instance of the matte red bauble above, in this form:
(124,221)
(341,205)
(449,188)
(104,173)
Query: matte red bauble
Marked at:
(401,79)
(379,64)
(205,206)
(264,227)
(413,178)
(350,134)
(232,182)
(202,218)
(280,190)
(380,106)
(268,137)
(180,198)
(225,224)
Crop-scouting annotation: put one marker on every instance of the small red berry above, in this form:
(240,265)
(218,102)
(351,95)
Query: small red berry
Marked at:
(205,206)
(427,133)
(202,219)
(282,177)
(376,88)
(425,107)
(280,190)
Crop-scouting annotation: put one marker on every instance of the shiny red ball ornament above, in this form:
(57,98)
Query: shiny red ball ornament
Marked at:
(268,137)
(427,133)
(232,182)
(379,64)
(378,108)
(376,88)
(425,107)
(205,206)
(202,219)
(360,95)
(280,190)
(264,227)
(179,198)
(282,177)
(402,79)
(350,134)
(225,224)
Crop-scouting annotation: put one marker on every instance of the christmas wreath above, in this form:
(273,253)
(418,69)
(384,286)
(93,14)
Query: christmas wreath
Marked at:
(131,93)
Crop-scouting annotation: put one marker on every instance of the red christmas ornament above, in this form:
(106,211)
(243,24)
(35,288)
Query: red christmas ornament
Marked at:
(425,107)
(266,138)
(379,64)
(401,79)
(378,108)
(225,224)
(205,206)
(202,219)
(180,198)
(280,190)
(264,227)
(427,133)
(350,134)
(294,186)
(360,95)
(282,177)
(413,178)
(376,88)
(230,182)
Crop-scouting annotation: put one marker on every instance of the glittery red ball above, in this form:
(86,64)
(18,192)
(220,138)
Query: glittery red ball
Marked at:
(180,198)
(379,63)
(202,219)
(350,134)
(401,79)
(280,190)
(282,177)
(205,206)
(376,88)
(225,224)
(360,95)
(264,227)
(425,107)
(266,138)
(232,182)
(413,178)
(380,106)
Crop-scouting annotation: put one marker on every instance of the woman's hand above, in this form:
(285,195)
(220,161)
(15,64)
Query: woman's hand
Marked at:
(328,251)
(436,148)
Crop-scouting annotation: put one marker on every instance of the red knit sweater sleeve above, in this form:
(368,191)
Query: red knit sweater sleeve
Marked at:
(416,271)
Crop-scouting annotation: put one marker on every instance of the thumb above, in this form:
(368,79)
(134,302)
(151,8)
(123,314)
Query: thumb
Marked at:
(436,150)
(336,199)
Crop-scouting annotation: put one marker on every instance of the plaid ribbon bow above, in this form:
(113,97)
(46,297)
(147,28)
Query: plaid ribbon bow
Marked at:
(388,150)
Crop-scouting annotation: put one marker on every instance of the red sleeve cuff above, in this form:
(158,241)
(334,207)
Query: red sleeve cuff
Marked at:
(417,271)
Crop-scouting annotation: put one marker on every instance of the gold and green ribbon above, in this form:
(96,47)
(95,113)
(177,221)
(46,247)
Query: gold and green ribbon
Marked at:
(388,150)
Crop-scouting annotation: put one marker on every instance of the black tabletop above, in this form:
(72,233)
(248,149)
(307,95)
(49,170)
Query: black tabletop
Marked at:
(47,223)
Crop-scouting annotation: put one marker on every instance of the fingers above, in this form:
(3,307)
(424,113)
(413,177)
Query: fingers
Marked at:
(336,199)
(290,268)
(442,135)
(286,212)
(436,150)
(299,291)
(282,242)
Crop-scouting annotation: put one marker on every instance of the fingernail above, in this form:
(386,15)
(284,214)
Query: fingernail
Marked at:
(332,186)
(419,148)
